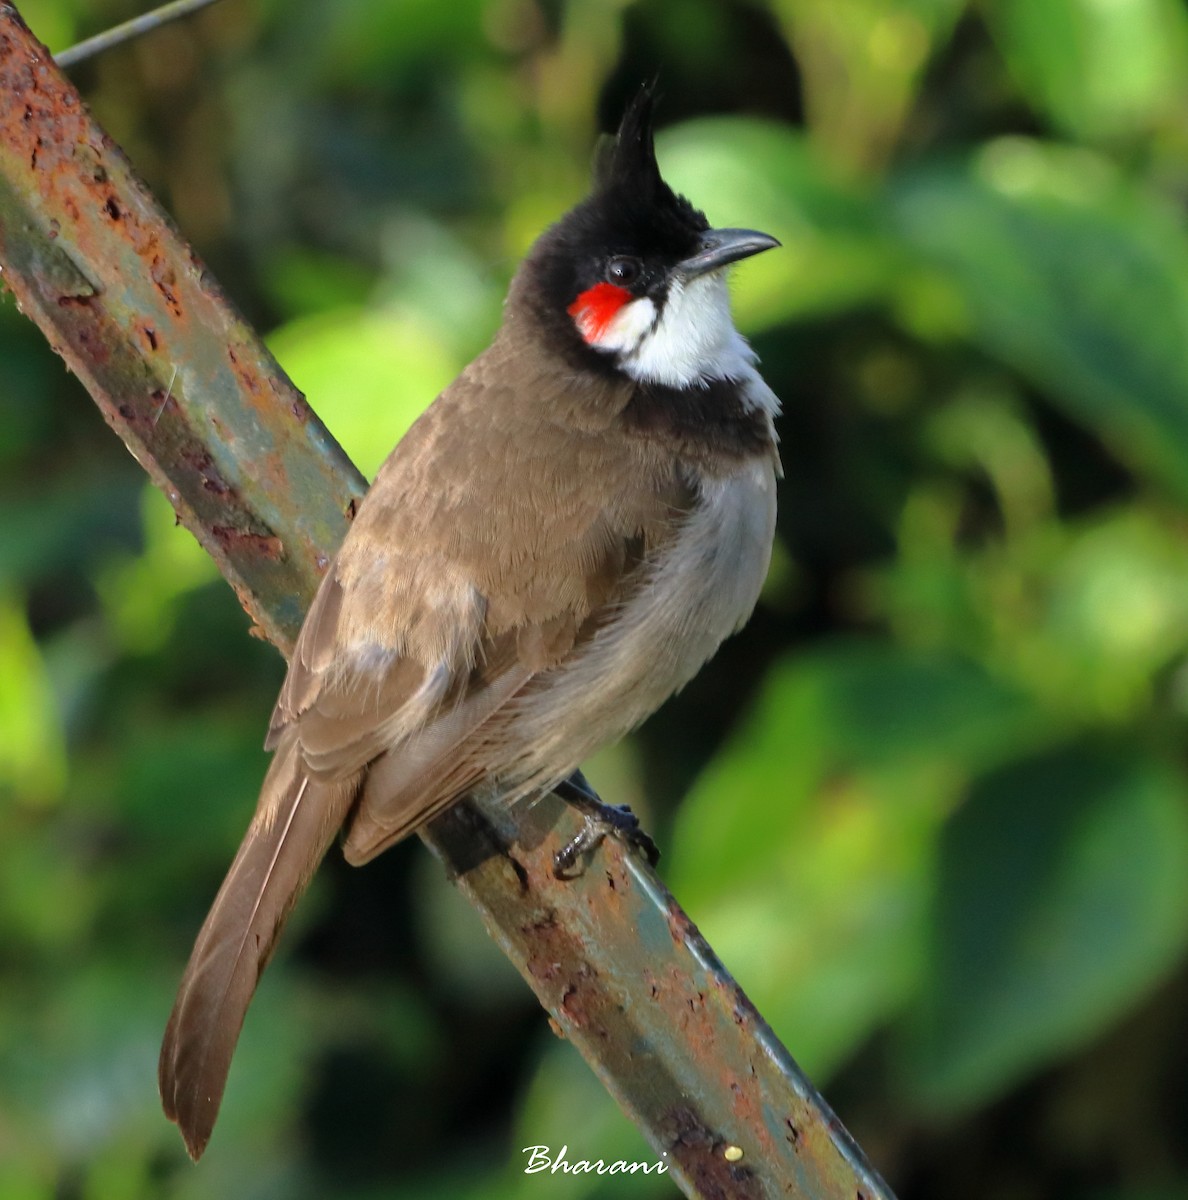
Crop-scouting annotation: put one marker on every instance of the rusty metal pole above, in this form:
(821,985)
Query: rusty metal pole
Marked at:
(254,475)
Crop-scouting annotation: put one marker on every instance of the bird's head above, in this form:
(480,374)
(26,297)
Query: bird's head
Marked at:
(633,278)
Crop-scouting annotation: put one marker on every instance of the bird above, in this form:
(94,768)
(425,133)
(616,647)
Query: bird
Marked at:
(559,543)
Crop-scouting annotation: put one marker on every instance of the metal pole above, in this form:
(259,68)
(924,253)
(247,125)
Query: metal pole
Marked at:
(125,32)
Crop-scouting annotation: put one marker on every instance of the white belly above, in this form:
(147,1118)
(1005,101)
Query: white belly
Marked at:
(701,591)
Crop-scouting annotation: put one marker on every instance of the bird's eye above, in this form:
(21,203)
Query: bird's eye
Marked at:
(623,270)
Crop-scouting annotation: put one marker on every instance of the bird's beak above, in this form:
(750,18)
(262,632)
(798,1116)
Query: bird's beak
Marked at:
(721,247)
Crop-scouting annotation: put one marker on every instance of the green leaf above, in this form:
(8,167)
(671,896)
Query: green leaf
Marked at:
(140,592)
(1097,70)
(32,741)
(70,525)
(1062,898)
(861,63)
(766,176)
(368,375)
(1084,617)
(358,40)
(804,849)
(1073,277)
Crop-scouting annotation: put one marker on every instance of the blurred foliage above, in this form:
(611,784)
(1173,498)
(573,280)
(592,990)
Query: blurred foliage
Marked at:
(935,797)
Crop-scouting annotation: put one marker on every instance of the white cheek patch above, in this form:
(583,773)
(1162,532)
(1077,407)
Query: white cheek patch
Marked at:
(687,343)
(694,339)
(623,332)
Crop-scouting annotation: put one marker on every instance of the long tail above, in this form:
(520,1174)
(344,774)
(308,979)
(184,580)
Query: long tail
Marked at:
(294,825)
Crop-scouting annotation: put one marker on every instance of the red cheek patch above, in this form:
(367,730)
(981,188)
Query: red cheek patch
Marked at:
(596,307)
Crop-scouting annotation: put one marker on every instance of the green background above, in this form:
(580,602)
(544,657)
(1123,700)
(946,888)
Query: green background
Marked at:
(931,806)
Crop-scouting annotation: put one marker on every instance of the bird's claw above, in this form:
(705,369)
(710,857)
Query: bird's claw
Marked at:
(598,821)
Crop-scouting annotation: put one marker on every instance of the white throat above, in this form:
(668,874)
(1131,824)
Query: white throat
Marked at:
(688,343)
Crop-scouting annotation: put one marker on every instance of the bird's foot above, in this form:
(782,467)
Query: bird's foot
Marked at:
(599,820)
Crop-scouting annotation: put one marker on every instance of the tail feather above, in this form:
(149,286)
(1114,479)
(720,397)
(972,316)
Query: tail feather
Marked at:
(291,831)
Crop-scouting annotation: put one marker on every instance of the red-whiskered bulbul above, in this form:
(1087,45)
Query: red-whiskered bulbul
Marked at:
(556,546)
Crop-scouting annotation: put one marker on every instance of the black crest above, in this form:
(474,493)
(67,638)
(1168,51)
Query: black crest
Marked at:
(630,211)
(628,159)
(627,180)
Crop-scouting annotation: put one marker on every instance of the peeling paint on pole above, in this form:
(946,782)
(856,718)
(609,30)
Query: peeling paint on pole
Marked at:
(251,471)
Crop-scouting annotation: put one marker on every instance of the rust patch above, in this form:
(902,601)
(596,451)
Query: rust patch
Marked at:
(696,1020)
(570,985)
(698,1013)
(680,927)
(53,132)
(272,472)
(200,461)
(613,904)
(576,996)
(240,540)
(244,372)
(540,931)
(165,279)
(161,402)
(699,1151)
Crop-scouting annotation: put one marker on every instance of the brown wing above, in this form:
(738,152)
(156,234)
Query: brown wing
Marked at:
(492,536)
(417,732)
(344,704)
(478,738)
(346,710)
